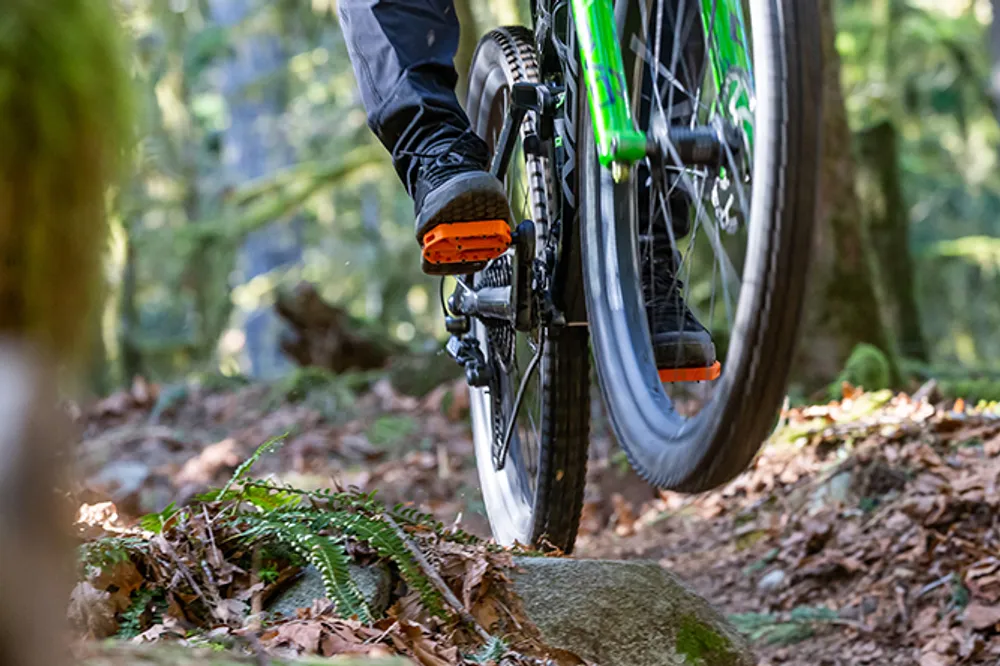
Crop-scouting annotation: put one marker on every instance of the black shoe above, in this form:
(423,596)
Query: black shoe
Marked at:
(453,185)
(679,339)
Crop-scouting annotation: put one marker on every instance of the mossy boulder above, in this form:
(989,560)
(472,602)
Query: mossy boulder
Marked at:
(624,614)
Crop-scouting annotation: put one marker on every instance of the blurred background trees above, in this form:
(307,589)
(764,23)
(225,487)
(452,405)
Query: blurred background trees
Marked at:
(256,170)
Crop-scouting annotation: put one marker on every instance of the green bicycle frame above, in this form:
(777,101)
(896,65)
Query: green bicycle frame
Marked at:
(619,142)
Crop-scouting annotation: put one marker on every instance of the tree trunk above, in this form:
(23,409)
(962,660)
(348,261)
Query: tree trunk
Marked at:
(885,215)
(254,146)
(467,42)
(843,309)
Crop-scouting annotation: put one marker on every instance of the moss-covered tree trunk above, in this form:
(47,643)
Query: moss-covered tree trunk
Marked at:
(64,116)
(842,307)
(467,42)
(886,216)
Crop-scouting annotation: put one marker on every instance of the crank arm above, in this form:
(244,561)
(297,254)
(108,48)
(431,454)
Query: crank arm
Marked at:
(524,97)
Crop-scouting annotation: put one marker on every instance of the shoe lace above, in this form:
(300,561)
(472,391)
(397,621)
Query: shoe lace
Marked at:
(442,154)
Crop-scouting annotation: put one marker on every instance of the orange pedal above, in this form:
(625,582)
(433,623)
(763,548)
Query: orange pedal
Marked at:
(466,242)
(691,374)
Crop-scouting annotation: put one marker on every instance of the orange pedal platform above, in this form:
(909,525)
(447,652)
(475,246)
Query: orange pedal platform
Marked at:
(466,242)
(691,374)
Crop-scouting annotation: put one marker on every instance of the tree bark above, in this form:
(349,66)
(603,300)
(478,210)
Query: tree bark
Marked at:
(253,146)
(885,215)
(467,42)
(843,308)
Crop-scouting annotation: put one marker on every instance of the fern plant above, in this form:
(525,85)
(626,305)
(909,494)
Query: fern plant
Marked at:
(319,527)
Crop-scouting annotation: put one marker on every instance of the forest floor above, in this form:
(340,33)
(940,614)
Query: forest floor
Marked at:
(867,531)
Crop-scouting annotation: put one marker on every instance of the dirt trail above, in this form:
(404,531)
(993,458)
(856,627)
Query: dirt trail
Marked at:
(868,532)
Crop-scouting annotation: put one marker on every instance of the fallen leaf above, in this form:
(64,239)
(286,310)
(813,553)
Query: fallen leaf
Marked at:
(980,617)
(124,578)
(230,611)
(214,459)
(91,611)
(305,635)
(475,568)
(935,659)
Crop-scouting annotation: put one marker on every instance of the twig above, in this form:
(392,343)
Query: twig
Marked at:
(378,639)
(947,578)
(437,581)
(169,550)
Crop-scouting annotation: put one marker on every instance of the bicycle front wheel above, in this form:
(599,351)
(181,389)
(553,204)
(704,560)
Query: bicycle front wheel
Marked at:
(742,250)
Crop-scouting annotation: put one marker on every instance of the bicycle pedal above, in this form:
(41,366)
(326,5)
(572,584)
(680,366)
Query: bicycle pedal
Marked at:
(671,375)
(460,243)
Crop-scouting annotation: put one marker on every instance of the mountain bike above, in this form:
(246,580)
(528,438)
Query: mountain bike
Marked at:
(601,117)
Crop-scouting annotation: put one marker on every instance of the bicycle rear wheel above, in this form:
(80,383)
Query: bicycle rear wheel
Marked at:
(536,498)
(750,236)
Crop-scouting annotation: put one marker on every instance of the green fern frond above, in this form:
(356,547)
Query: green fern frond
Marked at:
(412,516)
(384,539)
(108,551)
(245,466)
(330,558)
(371,530)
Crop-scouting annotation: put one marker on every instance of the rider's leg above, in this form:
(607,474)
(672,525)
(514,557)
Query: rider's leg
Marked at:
(679,339)
(403,56)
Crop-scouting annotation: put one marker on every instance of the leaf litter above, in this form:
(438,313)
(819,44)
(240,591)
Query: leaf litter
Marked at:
(866,531)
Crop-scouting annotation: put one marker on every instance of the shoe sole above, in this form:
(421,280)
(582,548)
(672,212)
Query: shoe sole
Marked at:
(687,358)
(671,375)
(463,225)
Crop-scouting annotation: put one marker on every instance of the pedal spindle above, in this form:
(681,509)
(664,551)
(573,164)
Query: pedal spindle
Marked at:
(704,145)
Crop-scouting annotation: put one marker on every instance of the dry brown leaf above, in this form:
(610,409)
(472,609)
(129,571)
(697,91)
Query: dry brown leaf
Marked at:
(303,634)
(475,569)
(230,611)
(214,459)
(980,617)
(92,612)
(624,516)
(935,659)
(124,577)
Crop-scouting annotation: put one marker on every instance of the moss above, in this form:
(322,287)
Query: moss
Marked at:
(700,645)
(66,105)
(867,367)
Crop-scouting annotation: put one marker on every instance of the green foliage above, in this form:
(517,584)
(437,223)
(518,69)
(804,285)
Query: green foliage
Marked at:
(131,623)
(327,554)
(318,526)
(793,627)
(866,367)
(391,429)
(244,467)
(156,522)
(491,653)
(107,551)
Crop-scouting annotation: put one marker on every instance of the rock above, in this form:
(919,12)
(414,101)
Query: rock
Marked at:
(837,490)
(771,581)
(374,582)
(624,614)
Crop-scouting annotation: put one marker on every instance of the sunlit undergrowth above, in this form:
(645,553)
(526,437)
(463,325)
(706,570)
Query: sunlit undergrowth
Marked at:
(219,558)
